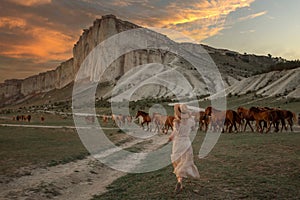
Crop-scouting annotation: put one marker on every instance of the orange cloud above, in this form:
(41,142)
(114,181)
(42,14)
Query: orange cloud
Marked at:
(199,20)
(31,2)
(12,22)
(42,44)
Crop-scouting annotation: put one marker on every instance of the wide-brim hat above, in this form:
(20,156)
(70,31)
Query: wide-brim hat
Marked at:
(181,111)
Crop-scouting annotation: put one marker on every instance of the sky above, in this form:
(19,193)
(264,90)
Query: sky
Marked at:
(37,35)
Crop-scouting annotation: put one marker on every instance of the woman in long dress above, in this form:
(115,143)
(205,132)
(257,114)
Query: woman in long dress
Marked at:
(182,152)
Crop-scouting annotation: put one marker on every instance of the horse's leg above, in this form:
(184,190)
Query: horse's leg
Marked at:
(282,124)
(234,124)
(268,126)
(290,121)
(276,126)
(250,126)
(157,127)
(230,128)
(258,126)
(247,122)
(142,124)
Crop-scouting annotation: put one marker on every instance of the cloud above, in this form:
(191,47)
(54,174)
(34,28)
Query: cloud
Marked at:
(10,23)
(31,2)
(252,16)
(38,31)
(37,42)
(204,19)
(198,19)
(248,31)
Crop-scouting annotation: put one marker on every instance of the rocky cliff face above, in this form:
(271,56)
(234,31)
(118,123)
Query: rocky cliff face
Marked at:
(232,65)
(65,73)
(44,82)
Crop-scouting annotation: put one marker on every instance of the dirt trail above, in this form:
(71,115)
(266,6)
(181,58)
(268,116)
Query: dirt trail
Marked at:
(76,180)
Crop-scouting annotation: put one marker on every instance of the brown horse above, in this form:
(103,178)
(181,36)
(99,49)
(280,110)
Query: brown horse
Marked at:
(217,117)
(28,117)
(290,117)
(259,116)
(162,122)
(168,124)
(277,117)
(158,120)
(202,119)
(231,120)
(245,115)
(146,118)
(105,119)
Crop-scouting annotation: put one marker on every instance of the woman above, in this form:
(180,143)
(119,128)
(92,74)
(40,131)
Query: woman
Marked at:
(182,152)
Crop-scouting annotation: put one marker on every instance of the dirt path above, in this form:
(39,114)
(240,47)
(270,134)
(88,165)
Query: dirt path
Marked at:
(56,127)
(76,180)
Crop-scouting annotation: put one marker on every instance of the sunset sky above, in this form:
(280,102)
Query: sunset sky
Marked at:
(36,35)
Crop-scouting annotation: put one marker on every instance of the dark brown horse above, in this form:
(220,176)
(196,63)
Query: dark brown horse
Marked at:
(203,121)
(290,117)
(231,120)
(245,115)
(28,117)
(146,118)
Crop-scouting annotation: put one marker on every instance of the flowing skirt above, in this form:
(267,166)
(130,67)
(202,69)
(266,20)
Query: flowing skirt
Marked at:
(183,158)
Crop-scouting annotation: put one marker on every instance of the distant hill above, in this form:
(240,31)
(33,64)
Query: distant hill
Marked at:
(275,83)
(236,70)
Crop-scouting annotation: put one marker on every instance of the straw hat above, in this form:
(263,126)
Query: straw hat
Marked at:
(181,111)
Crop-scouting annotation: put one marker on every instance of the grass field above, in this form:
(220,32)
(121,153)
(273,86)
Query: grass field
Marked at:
(29,147)
(245,165)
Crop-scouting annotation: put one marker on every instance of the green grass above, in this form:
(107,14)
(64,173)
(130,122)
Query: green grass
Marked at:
(39,147)
(245,165)
(29,147)
(50,119)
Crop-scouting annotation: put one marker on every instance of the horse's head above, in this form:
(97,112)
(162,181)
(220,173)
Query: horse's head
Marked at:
(140,113)
(254,109)
(241,111)
(208,110)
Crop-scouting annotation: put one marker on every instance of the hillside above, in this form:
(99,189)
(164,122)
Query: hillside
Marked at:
(47,86)
(276,83)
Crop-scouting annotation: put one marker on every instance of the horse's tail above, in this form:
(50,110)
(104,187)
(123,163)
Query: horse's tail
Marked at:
(294,117)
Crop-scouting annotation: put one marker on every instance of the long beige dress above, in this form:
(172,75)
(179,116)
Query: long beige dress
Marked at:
(182,153)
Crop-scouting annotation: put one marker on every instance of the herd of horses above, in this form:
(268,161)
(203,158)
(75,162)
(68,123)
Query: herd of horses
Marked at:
(26,118)
(22,118)
(263,118)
